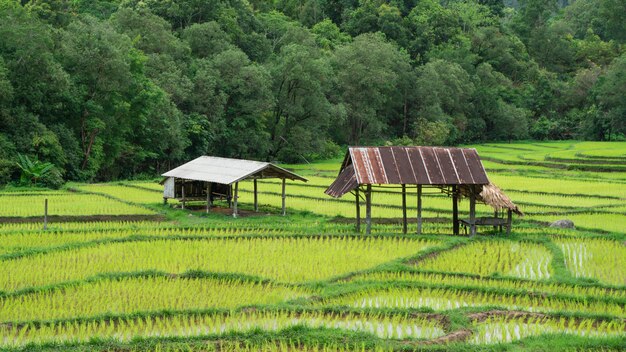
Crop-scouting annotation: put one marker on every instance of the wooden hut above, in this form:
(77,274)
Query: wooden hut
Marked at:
(208,177)
(457,172)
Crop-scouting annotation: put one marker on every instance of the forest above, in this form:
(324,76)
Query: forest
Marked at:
(106,90)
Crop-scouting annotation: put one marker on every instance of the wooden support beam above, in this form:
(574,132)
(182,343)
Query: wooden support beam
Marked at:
(256,201)
(509,220)
(472,210)
(230,196)
(208,196)
(235,198)
(495,215)
(368,210)
(404,227)
(183,193)
(284,196)
(358,210)
(419,209)
(455,212)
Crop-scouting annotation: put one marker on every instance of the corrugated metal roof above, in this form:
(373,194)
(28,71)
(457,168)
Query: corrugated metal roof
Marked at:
(227,171)
(345,182)
(410,165)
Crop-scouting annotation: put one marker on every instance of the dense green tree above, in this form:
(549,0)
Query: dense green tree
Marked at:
(301,112)
(610,118)
(109,89)
(328,36)
(444,92)
(99,92)
(366,76)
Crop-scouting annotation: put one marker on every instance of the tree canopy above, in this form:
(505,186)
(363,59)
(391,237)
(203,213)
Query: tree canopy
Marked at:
(113,89)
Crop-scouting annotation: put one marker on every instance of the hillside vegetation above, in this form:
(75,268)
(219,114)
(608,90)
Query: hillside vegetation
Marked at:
(108,90)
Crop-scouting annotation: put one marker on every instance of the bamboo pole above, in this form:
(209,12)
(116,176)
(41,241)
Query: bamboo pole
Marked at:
(419,209)
(368,210)
(235,199)
(404,227)
(358,211)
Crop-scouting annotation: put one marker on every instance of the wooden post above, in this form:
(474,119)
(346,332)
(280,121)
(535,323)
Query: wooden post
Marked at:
(368,210)
(455,212)
(208,196)
(358,211)
(495,215)
(230,196)
(235,199)
(45,214)
(284,210)
(419,209)
(183,193)
(472,210)
(509,220)
(403,208)
(256,202)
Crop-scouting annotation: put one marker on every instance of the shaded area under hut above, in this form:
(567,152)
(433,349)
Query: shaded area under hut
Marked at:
(457,172)
(208,178)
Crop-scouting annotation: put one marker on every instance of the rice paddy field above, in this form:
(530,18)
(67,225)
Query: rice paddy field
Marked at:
(118,270)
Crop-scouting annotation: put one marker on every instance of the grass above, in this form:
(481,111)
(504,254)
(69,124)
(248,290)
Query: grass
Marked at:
(510,258)
(283,259)
(188,280)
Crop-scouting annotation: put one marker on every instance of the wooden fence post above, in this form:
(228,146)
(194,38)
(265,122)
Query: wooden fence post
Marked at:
(45,214)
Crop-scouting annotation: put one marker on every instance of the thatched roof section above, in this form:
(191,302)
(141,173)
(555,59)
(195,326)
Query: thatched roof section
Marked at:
(493,196)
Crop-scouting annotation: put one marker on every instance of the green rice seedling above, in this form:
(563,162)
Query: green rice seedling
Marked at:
(125,329)
(446,299)
(600,259)
(286,259)
(67,204)
(590,221)
(127,194)
(535,287)
(519,259)
(128,295)
(25,227)
(550,185)
(553,200)
(503,329)
(25,241)
(154,186)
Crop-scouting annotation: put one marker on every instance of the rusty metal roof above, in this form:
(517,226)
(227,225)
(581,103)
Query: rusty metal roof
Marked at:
(227,171)
(408,165)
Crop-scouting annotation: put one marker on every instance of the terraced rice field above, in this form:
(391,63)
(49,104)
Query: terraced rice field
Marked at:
(119,271)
